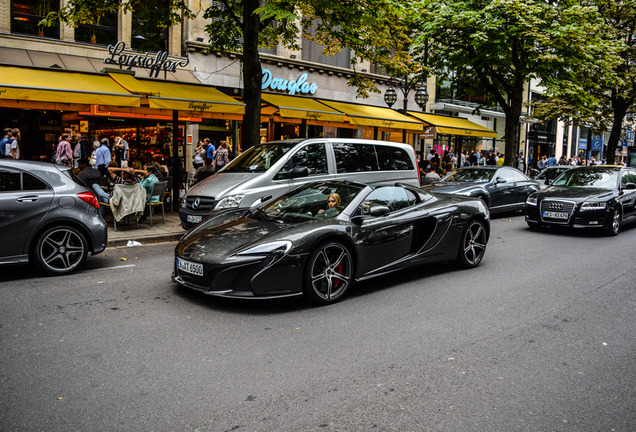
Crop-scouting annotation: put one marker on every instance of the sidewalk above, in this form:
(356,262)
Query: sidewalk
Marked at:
(159,232)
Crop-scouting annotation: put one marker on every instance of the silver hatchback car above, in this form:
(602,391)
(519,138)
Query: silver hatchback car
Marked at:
(47,217)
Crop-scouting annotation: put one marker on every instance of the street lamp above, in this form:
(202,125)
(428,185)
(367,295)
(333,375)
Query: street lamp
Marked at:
(421,97)
(390,96)
(406,85)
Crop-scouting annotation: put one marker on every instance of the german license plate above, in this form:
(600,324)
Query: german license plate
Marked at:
(194,219)
(555,215)
(190,267)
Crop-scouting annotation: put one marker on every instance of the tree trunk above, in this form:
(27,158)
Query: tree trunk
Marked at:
(513,115)
(619,106)
(252,75)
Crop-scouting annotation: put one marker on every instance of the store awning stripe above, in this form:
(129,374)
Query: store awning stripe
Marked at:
(181,96)
(367,115)
(302,108)
(62,87)
(454,125)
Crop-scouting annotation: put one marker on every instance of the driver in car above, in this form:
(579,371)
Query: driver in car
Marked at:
(332,201)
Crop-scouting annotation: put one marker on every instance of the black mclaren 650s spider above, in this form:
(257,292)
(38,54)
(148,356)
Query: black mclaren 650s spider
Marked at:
(320,238)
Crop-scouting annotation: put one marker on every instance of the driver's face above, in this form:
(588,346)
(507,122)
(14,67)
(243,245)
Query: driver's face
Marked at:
(331,202)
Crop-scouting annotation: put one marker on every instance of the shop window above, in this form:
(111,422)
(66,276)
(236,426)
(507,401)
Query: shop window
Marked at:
(313,52)
(103,28)
(148,36)
(26,14)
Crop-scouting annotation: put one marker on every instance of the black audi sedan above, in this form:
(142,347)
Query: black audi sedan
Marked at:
(501,188)
(601,197)
(318,239)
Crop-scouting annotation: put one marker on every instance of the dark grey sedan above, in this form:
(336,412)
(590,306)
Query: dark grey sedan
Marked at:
(501,188)
(47,217)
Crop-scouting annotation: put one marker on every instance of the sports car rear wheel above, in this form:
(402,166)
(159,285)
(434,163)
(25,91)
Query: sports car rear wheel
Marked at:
(328,274)
(473,245)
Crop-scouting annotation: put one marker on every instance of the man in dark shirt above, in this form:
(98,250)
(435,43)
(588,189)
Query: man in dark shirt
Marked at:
(205,171)
(87,172)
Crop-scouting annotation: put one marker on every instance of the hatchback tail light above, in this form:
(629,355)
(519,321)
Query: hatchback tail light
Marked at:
(89,198)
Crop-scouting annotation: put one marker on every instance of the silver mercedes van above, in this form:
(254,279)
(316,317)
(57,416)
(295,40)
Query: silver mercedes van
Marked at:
(273,168)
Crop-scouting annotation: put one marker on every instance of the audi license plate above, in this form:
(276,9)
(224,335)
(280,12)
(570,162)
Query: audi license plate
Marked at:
(190,267)
(194,219)
(555,215)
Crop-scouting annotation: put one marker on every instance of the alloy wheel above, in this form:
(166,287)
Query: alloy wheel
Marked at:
(61,250)
(330,272)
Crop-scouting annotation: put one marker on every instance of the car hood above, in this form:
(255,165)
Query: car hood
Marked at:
(577,194)
(225,234)
(220,184)
(452,187)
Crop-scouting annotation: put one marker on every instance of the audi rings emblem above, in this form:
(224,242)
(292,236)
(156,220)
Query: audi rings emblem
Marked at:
(196,203)
(556,206)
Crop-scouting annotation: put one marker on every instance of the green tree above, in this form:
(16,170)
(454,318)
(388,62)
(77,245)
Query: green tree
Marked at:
(376,31)
(502,44)
(599,92)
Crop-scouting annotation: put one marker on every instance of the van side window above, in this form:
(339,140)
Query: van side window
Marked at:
(393,158)
(312,156)
(355,157)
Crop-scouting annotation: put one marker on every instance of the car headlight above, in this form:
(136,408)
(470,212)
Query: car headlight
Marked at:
(532,200)
(231,201)
(593,205)
(278,248)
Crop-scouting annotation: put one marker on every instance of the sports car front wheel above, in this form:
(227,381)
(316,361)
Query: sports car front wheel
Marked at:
(473,244)
(328,274)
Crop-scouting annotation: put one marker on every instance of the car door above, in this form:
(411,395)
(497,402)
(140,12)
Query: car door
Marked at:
(501,189)
(628,197)
(383,241)
(24,201)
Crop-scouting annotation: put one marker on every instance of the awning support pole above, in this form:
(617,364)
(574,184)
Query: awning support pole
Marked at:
(176,162)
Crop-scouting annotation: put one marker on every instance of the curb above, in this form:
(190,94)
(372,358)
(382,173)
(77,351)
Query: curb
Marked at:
(160,238)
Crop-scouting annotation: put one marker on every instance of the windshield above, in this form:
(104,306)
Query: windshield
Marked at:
(470,175)
(550,174)
(591,178)
(316,201)
(260,158)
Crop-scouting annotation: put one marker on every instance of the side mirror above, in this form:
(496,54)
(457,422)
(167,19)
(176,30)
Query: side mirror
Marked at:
(298,171)
(379,210)
(501,180)
(629,186)
(266,198)
(548,182)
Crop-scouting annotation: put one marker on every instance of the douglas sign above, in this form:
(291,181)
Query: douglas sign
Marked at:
(292,87)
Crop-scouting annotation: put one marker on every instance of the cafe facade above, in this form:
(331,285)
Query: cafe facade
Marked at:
(165,101)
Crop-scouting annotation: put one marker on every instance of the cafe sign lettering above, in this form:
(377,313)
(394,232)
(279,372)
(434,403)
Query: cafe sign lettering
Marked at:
(156,62)
(292,87)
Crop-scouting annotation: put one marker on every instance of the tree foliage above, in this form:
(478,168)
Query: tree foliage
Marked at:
(502,44)
(599,92)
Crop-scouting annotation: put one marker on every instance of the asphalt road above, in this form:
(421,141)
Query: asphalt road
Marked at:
(540,337)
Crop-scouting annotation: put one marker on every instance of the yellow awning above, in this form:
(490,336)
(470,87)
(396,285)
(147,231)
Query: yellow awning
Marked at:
(367,115)
(182,97)
(302,108)
(62,87)
(454,125)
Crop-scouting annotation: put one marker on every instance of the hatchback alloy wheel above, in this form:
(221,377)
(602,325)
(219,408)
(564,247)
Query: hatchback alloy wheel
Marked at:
(60,250)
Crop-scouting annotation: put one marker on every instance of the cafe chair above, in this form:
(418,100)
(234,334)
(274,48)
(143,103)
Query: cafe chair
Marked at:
(157,199)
